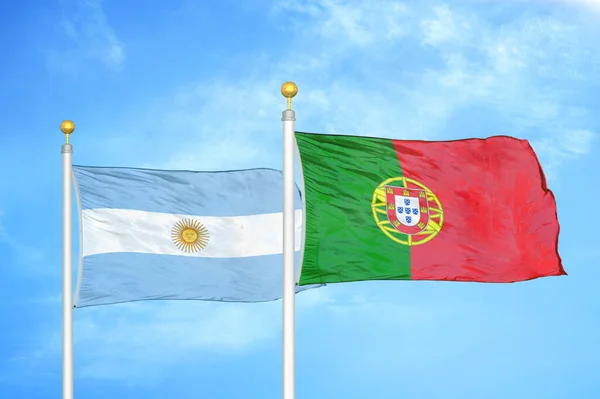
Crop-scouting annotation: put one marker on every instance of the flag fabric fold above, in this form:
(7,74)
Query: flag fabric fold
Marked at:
(155,234)
(467,210)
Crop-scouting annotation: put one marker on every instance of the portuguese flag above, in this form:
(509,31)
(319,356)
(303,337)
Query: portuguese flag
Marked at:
(466,210)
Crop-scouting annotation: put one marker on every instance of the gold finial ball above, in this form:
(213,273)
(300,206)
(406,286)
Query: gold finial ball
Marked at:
(67,127)
(289,89)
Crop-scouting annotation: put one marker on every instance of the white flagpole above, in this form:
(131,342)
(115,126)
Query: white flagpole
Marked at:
(67,127)
(288,90)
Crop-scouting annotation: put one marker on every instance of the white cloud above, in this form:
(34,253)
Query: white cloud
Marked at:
(578,142)
(445,27)
(593,5)
(582,5)
(349,22)
(138,341)
(555,149)
(24,254)
(90,37)
(146,338)
(232,127)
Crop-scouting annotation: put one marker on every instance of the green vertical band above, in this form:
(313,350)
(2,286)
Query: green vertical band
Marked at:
(343,241)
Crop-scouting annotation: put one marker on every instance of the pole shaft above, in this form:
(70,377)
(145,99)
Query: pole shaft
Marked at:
(289,283)
(67,151)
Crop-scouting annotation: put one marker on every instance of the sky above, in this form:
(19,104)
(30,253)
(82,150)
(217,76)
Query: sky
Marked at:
(196,85)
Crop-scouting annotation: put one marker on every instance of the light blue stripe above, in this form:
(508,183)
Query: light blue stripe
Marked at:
(126,277)
(230,193)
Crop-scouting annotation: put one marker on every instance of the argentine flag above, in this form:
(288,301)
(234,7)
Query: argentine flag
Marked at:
(154,234)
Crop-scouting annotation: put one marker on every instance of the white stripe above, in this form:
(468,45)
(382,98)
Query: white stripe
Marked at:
(124,230)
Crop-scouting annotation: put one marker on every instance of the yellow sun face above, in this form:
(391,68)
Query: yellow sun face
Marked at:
(189,235)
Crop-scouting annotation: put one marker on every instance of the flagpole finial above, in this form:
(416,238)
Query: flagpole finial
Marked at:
(289,90)
(67,127)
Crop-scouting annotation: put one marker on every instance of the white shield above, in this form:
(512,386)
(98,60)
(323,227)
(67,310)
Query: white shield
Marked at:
(407,210)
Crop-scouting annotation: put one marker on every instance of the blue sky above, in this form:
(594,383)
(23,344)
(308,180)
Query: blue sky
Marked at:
(195,85)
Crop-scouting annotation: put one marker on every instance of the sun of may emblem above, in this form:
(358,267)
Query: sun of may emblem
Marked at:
(407,211)
(189,235)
